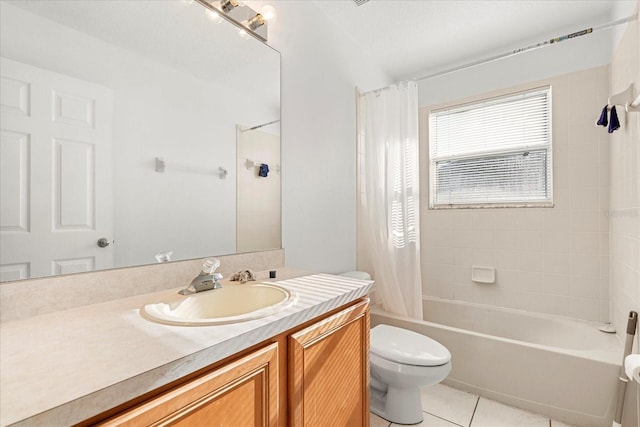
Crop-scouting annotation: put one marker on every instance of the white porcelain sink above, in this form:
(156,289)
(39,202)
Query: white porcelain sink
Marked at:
(230,304)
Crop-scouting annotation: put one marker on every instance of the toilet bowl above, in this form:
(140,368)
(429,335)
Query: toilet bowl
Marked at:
(402,361)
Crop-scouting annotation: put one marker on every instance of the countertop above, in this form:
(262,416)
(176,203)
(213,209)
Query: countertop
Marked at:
(64,367)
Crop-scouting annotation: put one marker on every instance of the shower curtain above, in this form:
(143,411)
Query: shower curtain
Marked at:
(388,194)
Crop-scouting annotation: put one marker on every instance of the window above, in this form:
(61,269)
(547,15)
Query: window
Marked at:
(496,152)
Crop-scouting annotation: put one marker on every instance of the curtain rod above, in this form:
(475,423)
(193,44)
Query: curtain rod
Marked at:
(259,126)
(554,40)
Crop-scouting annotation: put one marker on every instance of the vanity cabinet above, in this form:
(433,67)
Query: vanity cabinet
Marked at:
(241,393)
(329,371)
(316,374)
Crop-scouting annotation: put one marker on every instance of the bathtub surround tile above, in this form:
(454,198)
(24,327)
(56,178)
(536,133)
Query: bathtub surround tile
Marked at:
(493,414)
(463,275)
(463,292)
(506,239)
(530,240)
(484,257)
(545,257)
(483,239)
(556,241)
(529,280)
(585,198)
(530,219)
(505,219)
(584,220)
(585,242)
(506,259)
(461,219)
(482,220)
(463,238)
(463,256)
(553,263)
(439,255)
(585,265)
(562,197)
(585,286)
(530,261)
(556,220)
(585,308)
(558,284)
(449,403)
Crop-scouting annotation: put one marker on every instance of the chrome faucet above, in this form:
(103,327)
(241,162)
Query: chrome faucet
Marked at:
(206,280)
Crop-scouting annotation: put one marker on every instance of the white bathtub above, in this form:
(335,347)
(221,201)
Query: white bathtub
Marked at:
(561,368)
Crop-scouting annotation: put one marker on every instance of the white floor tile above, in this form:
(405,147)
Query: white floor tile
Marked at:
(376,421)
(494,414)
(449,403)
(431,421)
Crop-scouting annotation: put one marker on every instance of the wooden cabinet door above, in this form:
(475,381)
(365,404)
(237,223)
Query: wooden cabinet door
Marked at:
(242,393)
(329,371)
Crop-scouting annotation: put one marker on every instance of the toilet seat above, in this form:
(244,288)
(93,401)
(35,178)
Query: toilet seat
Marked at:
(407,347)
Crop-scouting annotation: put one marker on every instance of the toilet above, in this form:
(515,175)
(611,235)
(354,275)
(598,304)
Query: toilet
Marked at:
(402,361)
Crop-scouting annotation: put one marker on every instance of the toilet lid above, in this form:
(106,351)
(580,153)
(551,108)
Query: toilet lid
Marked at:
(408,347)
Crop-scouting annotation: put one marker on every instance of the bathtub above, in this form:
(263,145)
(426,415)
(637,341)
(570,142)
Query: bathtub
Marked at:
(561,368)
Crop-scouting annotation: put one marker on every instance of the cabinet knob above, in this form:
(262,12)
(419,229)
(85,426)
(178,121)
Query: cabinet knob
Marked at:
(103,242)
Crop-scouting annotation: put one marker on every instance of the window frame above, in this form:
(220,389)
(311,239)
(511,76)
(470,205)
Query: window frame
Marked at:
(488,153)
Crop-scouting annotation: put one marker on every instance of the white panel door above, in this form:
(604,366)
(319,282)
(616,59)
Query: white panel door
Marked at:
(56,197)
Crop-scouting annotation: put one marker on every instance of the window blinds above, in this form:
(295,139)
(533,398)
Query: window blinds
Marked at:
(497,151)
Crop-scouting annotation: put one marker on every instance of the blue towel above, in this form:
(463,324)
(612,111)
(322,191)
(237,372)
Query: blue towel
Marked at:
(264,170)
(614,123)
(602,121)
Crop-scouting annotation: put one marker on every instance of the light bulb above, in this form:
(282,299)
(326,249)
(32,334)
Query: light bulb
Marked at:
(215,16)
(269,13)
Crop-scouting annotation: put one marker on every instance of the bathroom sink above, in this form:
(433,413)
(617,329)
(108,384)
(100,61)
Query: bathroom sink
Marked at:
(230,304)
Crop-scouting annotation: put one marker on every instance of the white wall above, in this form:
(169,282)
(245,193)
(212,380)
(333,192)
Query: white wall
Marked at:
(320,71)
(159,111)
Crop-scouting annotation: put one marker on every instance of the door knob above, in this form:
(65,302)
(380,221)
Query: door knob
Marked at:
(103,242)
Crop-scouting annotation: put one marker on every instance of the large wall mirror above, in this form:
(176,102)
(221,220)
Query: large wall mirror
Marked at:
(131,130)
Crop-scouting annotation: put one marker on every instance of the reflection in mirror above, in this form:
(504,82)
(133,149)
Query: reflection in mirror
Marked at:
(118,120)
(258,187)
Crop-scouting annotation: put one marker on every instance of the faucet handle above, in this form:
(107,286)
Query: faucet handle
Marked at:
(210,265)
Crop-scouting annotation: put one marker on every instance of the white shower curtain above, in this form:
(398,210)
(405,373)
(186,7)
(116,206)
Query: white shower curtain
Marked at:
(388,194)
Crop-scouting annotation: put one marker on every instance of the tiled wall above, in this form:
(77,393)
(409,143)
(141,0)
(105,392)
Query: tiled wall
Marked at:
(625,186)
(548,260)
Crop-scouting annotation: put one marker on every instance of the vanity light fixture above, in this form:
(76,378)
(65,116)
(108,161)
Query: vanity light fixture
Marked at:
(255,22)
(228,5)
(248,20)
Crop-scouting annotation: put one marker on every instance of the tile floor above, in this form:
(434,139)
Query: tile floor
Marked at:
(445,406)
